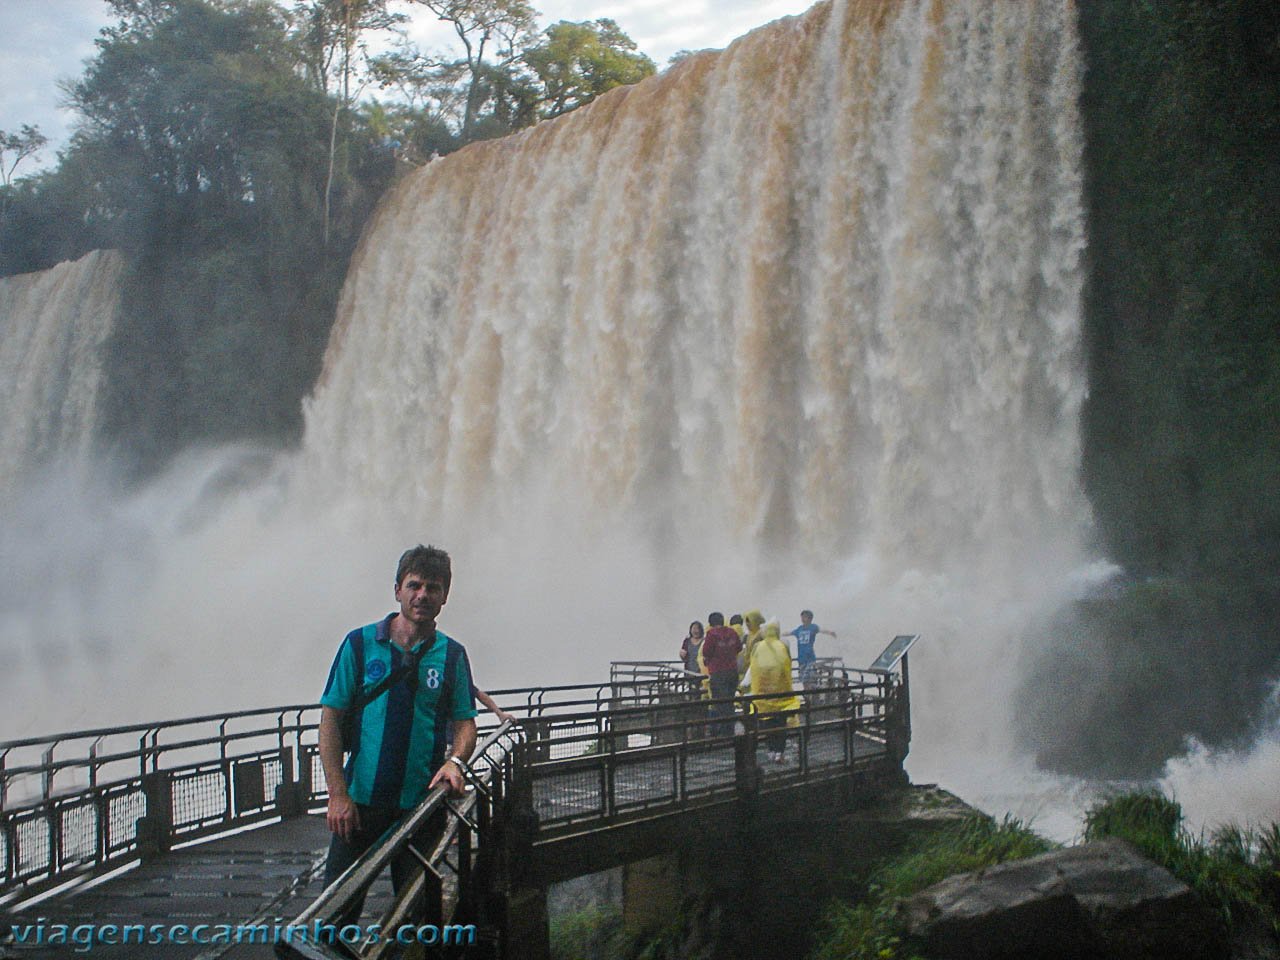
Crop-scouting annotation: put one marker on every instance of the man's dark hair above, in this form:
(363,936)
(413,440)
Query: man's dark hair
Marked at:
(715,619)
(807,613)
(425,562)
(736,618)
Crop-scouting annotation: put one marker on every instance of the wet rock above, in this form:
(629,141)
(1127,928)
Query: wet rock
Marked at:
(1098,900)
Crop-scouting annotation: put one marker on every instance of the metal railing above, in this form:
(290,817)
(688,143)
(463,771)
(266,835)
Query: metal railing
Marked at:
(579,757)
(583,770)
(90,800)
(458,845)
(84,802)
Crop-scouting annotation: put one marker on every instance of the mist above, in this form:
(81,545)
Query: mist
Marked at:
(796,325)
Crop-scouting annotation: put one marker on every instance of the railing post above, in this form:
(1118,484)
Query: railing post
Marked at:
(155,830)
(10,849)
(906,706)
(466,893)
(102,813)
(288,799)
(93,762)
(54,816)
(609,760)
(746,773)
(46,775)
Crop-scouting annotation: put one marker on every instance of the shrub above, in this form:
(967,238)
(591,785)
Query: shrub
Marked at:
(1236,870)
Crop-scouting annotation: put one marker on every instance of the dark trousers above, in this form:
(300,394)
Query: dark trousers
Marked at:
(723,686)
(374,822)
(774,729)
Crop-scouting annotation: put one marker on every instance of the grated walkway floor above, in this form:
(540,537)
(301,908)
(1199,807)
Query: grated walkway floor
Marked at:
(264,876)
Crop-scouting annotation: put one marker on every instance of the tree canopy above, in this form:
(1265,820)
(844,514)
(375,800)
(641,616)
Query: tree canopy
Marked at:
(225,145)
(576,62)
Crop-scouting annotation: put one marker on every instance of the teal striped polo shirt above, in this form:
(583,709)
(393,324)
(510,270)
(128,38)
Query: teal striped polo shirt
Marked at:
(402,734)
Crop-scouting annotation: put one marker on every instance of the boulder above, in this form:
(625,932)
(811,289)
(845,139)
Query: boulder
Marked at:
(1098,900)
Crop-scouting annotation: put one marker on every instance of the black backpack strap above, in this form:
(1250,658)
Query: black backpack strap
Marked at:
(351,718)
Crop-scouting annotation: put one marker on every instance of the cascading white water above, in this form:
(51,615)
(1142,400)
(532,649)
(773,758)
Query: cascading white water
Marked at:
(52,327)
(820,288)
(794,324)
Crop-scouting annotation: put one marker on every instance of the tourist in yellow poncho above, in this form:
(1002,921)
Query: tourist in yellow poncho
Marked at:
(752,636)
(770,670)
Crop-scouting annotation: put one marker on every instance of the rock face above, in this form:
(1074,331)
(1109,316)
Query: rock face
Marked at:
(1098,900)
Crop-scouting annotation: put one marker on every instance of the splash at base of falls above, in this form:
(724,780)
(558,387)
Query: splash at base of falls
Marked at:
(796,325)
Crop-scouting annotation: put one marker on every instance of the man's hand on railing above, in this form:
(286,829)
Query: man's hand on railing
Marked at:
(342,816)
(451,773)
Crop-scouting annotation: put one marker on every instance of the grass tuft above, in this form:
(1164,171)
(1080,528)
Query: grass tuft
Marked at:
(1236,870)
(872,929)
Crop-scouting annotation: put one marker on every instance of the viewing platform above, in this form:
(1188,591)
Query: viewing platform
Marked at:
(216,821)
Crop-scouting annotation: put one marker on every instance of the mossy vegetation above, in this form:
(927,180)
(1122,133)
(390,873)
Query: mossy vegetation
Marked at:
(1181,110)
(597,933)
(593,933)
(870,928)
(1236,870)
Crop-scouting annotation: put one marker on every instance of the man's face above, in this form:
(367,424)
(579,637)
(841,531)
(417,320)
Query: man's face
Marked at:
(806,618)
(421,598)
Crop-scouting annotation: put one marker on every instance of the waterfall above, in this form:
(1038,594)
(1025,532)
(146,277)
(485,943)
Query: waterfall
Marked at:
(820,290)
(52,327)
(797,323)
(794,324)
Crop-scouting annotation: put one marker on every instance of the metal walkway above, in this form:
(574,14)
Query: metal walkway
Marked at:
(251,878)
(585,777)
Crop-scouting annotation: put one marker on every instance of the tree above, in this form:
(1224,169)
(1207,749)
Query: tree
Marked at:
(431,93)
(576,62)
(16,147)
(494,36)
(331,31)
(196,104)
(529,77)
(203,151)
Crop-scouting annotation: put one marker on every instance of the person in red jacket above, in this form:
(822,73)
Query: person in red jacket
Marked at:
(720,657)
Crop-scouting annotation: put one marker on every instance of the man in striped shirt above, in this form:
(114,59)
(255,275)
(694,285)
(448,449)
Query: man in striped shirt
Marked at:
(397,742)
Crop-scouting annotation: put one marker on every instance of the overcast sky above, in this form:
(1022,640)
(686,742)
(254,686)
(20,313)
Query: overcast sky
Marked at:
(44,41)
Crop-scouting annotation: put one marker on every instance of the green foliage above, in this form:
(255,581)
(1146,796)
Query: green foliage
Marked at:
(199,109)
(871,929)
(576,62)
(510,76)
(16,147)
(591,934)
(596,933)
(1147,819)
(1182,112)
(493,34)
(1237,871)
(974,843)
(204,153)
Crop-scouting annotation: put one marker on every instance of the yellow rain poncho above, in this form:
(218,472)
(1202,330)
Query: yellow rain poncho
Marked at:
(754,620)
(771,674)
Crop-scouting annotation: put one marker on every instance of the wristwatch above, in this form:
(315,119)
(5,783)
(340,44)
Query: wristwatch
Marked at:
(461,763)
